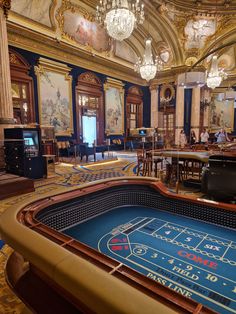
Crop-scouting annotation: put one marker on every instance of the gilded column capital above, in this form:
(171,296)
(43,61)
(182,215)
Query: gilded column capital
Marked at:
(154,85)
(5,5)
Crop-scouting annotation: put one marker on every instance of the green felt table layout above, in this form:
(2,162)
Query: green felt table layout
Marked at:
(194,258)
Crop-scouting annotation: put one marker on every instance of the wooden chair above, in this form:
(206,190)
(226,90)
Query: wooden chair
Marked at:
(144,163)
(139,164)
(140,158)
(147,166)
(193,168)
(199,147)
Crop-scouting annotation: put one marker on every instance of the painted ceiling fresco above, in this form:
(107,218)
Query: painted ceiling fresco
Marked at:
(180,36)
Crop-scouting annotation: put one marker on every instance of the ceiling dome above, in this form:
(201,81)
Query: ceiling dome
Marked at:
(202,6)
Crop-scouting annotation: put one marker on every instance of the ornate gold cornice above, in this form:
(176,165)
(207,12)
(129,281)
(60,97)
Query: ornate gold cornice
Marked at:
(26,39)
(200,6)
(5,5)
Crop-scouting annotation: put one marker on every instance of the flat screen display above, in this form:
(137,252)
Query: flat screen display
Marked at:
(31,138)
(142,132)
(28,141)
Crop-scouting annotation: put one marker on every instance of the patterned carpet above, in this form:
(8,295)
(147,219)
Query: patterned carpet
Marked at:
(67,177)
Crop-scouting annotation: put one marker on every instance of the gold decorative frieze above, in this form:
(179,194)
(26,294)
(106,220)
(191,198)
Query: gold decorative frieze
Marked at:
(90,77)
(5,5)
(13,58)
(48,47)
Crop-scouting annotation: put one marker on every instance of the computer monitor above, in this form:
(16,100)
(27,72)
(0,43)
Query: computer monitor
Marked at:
(31,141)
(142,132)
(28,141)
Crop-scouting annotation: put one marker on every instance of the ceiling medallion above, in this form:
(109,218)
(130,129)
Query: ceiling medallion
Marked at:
(119,17)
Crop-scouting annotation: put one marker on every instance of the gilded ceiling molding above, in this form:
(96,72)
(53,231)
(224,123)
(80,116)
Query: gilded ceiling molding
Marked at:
(209,7)
(52,14)
(5,5)
(193,27)
(221,40)
(48,47)
(170,36)
(68,6)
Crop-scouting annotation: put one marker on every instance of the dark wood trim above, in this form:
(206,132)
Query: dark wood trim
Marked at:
(134,96)
(19,69)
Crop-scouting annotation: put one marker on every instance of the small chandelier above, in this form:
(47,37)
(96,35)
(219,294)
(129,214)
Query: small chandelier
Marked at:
(148,68)
(216,75)
(119,17)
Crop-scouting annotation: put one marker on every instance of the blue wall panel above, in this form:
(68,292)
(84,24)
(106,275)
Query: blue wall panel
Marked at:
(187,110)
(32,58)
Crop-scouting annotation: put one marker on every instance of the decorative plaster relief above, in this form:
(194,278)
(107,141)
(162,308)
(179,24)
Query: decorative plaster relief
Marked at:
(197,31)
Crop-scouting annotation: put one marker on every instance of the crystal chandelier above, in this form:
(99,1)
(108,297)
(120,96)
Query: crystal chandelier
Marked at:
(216,75)
(148,68)
(119,17)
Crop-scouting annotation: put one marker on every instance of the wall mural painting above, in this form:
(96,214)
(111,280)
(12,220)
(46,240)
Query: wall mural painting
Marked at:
(55,96)
(197,31)
(83,30)
(221,115)
(36,10)
(114,107)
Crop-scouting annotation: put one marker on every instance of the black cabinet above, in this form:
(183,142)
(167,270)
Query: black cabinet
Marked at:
(23,155)
(219,179)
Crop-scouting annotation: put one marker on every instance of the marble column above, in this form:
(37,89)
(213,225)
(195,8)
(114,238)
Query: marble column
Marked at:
(179,113)
(195,112)
(154,106)
(6,107)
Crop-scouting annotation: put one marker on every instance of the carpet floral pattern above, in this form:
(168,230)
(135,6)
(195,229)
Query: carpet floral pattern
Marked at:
(67,177)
